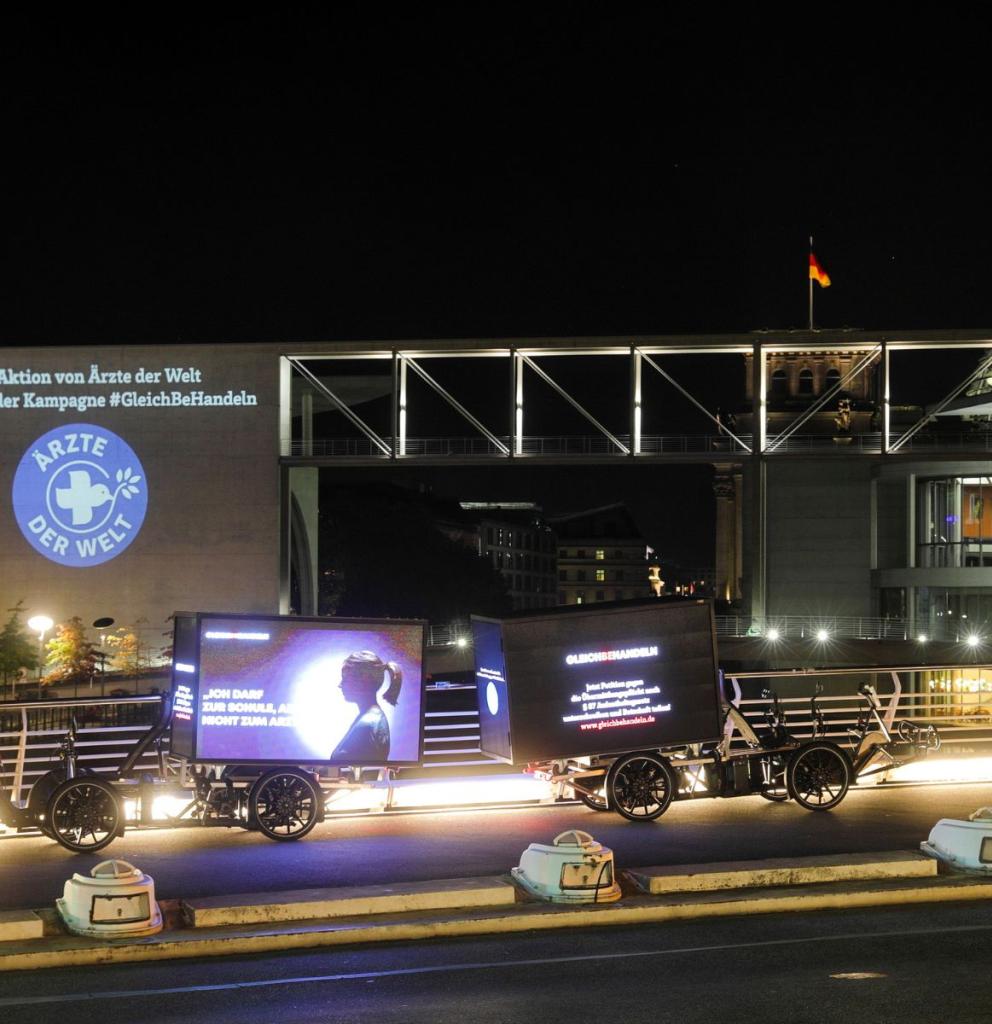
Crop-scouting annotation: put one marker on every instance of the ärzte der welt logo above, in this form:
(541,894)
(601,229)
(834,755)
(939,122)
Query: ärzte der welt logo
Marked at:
(80,495)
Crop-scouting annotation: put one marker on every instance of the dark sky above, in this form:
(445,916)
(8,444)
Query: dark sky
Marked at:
(492,173)
(440,175)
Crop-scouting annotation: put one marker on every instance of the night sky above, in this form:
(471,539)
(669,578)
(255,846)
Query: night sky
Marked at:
(445,175)
(489,174)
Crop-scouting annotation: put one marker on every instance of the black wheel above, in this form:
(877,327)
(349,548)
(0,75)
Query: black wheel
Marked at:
(594,803)
(284,804)
(640,786)
(84,814)
(773,785)
(818,776)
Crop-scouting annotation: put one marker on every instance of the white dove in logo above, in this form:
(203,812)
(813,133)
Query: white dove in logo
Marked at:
(82,496)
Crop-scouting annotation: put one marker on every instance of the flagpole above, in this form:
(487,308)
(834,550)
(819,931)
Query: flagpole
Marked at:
(810,276)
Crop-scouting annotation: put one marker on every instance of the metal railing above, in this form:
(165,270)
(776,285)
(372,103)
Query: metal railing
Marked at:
(597,445)
(31,735)
(814,628)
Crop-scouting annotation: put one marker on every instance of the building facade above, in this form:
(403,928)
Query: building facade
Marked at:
(602,556)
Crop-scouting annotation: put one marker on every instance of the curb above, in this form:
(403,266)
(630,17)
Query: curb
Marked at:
(495,913)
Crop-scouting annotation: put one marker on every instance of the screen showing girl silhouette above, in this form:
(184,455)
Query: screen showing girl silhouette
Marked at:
(363,675)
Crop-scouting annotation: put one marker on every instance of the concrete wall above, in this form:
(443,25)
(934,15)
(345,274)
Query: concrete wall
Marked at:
(818,537)
(209,539)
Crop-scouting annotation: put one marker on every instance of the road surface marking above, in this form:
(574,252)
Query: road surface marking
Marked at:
(134,993)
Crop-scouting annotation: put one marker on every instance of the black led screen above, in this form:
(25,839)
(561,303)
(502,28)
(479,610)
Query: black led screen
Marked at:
(608,680)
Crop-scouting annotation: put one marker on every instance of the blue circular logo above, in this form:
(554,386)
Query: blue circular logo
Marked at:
(80,495)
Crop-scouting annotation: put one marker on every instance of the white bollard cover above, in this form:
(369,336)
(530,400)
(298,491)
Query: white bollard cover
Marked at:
(964,845)
(116,898)
(574,868)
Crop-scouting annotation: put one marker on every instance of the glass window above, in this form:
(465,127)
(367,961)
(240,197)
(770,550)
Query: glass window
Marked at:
(580,575)
(600,575)
(832,378)
(954,523)
(806,382)
(600,554)
(580,553)
(562,575)
(600,595)
(780,384)
(580,597)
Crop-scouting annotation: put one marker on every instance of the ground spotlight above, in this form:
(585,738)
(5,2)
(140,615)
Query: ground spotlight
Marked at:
(973,640)
(772,634)
(822,636)
(922,638)
(461,642)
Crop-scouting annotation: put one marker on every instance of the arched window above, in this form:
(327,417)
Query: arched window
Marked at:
(832,378)
(806,382)
(780,384)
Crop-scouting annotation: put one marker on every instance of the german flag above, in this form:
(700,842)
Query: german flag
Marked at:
(817,273)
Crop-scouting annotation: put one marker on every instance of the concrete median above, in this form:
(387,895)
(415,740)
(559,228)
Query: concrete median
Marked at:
(263,922)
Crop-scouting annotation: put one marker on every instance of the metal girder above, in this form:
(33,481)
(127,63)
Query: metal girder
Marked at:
(353,417)
(862,364)
(455,404)
(682,391)
(572,402)
(980,371)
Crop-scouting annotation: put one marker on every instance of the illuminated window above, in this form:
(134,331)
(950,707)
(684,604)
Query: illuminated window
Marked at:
(600,554)
(600,575)
(580,597)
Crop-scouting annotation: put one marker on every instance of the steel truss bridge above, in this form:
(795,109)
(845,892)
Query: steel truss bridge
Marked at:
(514,401)
(512,367)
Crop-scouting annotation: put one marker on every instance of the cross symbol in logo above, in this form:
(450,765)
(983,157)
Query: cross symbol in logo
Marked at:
(82,496)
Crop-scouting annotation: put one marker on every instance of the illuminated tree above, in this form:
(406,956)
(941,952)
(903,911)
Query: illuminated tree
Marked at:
(71,658)
(18,647)
(131,654)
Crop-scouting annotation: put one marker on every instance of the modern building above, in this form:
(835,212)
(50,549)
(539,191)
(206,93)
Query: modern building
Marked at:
(602,556)
(522,546)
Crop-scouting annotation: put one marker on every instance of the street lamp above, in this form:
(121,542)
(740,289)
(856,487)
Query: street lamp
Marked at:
(41,624)
(102,625)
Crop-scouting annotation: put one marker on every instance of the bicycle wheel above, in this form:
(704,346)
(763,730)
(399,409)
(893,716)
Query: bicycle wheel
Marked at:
(284,804)
(594,803)
(818,776)
(84,814)
(640,786)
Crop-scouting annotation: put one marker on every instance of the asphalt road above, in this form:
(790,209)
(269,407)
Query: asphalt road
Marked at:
(412,847)
(904,964)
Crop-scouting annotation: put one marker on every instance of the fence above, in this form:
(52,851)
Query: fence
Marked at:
(31,733)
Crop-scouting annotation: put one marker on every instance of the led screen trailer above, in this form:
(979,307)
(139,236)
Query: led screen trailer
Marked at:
(597,681)
(289,690)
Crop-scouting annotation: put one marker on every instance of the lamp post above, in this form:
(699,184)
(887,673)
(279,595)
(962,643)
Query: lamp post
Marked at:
(41,624)
(102,625)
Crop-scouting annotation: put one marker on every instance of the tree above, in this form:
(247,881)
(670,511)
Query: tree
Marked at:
(131,653)
(18,648)
(71,658)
